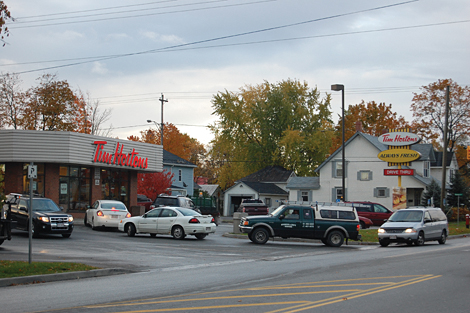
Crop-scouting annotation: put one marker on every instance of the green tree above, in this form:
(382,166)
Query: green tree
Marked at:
(433,191)
(284,124)
(429,113)
(458,186)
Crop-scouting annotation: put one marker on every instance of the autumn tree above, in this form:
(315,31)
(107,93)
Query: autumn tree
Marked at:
(153,184)
(429,113)
(52,106)
(374,118)
(89,117)
(13,101)
(269,124)
(4,16)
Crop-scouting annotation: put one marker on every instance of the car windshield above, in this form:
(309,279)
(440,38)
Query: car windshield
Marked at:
(187,212)
(166,202)
(44,205)
(113,206)
(406,216)
(278,211)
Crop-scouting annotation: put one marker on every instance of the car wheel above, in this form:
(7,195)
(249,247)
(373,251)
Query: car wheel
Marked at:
(384,242)
(85,221)
(443,238)
(363,225)
(420,240)
(260,236)
(66,235)
(201,236)
(153,235)
(178,232)
(335,239)
(131,230)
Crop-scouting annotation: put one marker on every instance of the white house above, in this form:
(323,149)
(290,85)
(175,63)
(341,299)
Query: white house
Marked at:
(268,184)
(364,174)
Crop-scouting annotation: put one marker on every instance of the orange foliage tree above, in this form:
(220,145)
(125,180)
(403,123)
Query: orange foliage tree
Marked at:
(374,118)
(429,113)
(153,184)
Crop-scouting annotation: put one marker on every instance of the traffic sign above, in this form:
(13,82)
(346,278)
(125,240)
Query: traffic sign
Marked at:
(32,171)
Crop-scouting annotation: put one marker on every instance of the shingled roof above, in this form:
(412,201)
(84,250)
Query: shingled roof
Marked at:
(269,174)
(266,188)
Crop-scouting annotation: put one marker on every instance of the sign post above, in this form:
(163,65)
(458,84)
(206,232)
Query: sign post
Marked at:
(32,173)
(458,207)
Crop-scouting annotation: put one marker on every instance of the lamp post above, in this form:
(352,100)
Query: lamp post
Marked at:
(161,128)
(339,87)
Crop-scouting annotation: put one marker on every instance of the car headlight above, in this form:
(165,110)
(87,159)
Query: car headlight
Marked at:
(70,218)
(410,230)
(44,219)
(381,231)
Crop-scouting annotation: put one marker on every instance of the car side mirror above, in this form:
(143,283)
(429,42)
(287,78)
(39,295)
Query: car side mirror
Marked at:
(282,216)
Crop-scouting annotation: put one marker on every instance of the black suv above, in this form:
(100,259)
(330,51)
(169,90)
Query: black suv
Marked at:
(48,218)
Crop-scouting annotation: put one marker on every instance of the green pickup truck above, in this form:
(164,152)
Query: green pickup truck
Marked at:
(329,223)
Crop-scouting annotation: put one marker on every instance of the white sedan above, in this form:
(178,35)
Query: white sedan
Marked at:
(105,213)
(176,221)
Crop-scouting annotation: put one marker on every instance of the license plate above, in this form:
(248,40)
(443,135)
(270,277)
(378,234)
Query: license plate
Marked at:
(60,224)
(114,216)
(208,229)
(393,237)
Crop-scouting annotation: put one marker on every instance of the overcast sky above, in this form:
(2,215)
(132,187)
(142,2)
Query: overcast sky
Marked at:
(127,53)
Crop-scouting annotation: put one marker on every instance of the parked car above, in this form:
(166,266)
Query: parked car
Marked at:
(105,213)
(175,221)
(173,201)
(376,212)
(331,224)
(48,218)
(365,222)
(144,201)
(414,225)
(253,207)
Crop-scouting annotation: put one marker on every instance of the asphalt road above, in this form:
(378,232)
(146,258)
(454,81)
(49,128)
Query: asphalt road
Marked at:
(221,274)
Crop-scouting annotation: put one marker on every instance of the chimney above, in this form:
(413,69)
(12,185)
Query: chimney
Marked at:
(358,126)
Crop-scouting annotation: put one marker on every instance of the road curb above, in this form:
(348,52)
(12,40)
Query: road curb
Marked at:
(37,279)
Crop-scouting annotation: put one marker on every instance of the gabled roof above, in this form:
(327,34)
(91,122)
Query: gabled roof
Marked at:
(439,156)
(266,188)
(271,174)
(210,189)
(304,183)
(172,159)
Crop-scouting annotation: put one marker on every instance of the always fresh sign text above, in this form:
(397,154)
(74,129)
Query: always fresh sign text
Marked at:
(118,157)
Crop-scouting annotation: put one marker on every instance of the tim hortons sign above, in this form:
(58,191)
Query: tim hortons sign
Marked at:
(399,139)
(118,158)
(399,155)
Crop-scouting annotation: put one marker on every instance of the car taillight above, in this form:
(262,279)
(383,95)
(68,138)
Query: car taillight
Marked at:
(358,226)
(194,220)
(128,214)
(152,207)
(213,220)
(243,210)
(99,213)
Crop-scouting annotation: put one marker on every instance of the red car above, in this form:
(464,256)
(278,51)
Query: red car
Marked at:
(376,212)
(365,222)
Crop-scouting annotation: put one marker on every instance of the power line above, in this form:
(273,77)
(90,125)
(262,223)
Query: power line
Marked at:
(169,48)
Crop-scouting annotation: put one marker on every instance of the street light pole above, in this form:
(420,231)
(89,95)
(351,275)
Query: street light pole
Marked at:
(162,100)
(339,87)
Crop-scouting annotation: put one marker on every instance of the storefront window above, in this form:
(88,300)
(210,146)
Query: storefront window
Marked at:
(74,185)
(115,185)
(38,183)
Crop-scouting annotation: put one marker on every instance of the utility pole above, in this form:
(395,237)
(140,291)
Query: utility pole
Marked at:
(444,155)
(162,100)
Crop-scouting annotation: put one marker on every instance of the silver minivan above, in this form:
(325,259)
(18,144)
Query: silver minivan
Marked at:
(414,225)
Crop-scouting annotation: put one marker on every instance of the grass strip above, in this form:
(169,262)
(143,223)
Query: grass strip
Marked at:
(20,268)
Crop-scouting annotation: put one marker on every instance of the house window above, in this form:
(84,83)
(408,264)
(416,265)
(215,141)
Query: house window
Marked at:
(426,166)
(180,175)
(268,202)
(304,196)
(337,194)
(381,192)
(337,167)
(364,175)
